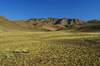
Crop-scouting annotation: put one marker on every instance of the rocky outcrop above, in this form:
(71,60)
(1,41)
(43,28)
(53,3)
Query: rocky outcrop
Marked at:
(54,21)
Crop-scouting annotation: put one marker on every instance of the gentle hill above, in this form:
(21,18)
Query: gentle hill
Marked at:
(6,24)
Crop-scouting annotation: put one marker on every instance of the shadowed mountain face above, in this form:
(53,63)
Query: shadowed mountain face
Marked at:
(54,21)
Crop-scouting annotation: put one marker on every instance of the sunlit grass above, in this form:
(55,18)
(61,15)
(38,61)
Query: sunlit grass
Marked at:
(49,49)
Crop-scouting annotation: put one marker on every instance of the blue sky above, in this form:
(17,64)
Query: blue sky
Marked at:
(74,9)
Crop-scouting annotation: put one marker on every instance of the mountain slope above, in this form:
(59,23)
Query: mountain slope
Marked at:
(50,24)
(6,24)
(90,26)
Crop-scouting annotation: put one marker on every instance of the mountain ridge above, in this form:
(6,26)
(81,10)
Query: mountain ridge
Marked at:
(50,24)
(53,21)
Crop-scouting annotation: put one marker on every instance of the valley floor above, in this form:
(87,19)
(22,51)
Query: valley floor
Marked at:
(49,49)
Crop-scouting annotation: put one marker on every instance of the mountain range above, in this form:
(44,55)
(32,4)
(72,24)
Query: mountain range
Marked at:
(50,24)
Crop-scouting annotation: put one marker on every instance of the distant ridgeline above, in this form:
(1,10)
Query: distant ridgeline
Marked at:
(50,24)
(54,21)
